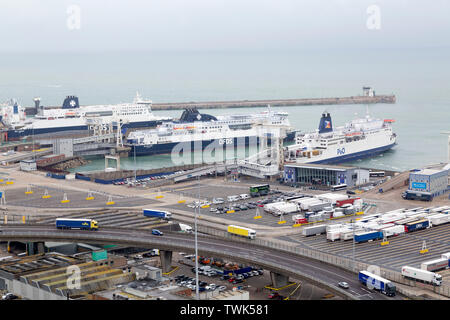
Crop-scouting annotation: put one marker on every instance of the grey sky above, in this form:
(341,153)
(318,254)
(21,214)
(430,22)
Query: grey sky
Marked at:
(29,25)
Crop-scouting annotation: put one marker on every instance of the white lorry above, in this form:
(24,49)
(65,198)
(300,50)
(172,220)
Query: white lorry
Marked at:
(186,228)
(422,275)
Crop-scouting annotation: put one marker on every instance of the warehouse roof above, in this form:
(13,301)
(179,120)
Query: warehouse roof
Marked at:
(428,172)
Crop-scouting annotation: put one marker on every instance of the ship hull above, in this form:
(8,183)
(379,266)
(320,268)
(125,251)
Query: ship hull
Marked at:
(354,156)
(15,134)
(229,144)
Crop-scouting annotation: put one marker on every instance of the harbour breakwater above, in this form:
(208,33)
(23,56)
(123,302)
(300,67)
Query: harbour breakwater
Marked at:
(275,103)
(260,103)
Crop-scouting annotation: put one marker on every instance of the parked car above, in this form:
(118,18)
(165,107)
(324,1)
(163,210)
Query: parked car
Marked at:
(237,281)
(218,200)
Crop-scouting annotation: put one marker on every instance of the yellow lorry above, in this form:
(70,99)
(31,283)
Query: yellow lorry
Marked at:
(242,231)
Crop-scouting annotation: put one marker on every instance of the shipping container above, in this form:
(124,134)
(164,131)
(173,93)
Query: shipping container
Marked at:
(340,203)
(332,197)
(435,265)
(446,255)
(318,206)
(405,221)
(336,226)
(281,207)
(395,230)
(314,230)
(307,205)
(438,219)
(417,225)
(333,235)
(347,235)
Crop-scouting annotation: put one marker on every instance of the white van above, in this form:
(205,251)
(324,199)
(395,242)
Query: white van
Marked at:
(244,196)
(233,198)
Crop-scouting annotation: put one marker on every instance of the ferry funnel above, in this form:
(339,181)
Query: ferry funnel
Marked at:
(325,124)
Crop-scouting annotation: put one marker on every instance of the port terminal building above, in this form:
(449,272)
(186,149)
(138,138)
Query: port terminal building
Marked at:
(327,175)
(431,182)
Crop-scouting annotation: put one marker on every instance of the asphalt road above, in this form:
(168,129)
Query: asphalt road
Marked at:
(267,258)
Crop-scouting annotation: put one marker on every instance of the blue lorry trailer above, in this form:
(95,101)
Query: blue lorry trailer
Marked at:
(366,236)
(417,225)
(81,224)
(156,213)
(373,281)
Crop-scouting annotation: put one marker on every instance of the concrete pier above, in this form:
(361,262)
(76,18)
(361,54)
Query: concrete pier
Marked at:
(166,260)
(35,248)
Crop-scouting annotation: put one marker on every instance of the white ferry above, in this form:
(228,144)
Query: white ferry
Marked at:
(73,118)
(195,130)
(356,139)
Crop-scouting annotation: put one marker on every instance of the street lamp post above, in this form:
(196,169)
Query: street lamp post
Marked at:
(197,296)
(134,164)
(353,229)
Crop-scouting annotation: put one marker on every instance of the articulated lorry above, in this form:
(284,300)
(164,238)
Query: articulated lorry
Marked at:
(242,231)
(185,228)
(373,281)
(81,224)
(157,214)
(422,275)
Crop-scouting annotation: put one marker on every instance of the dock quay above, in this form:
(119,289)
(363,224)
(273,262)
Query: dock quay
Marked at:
(275,103)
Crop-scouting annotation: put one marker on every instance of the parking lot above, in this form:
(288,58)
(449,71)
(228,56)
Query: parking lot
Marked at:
(402,249)
(256,284)
(77,199)
(242,210)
